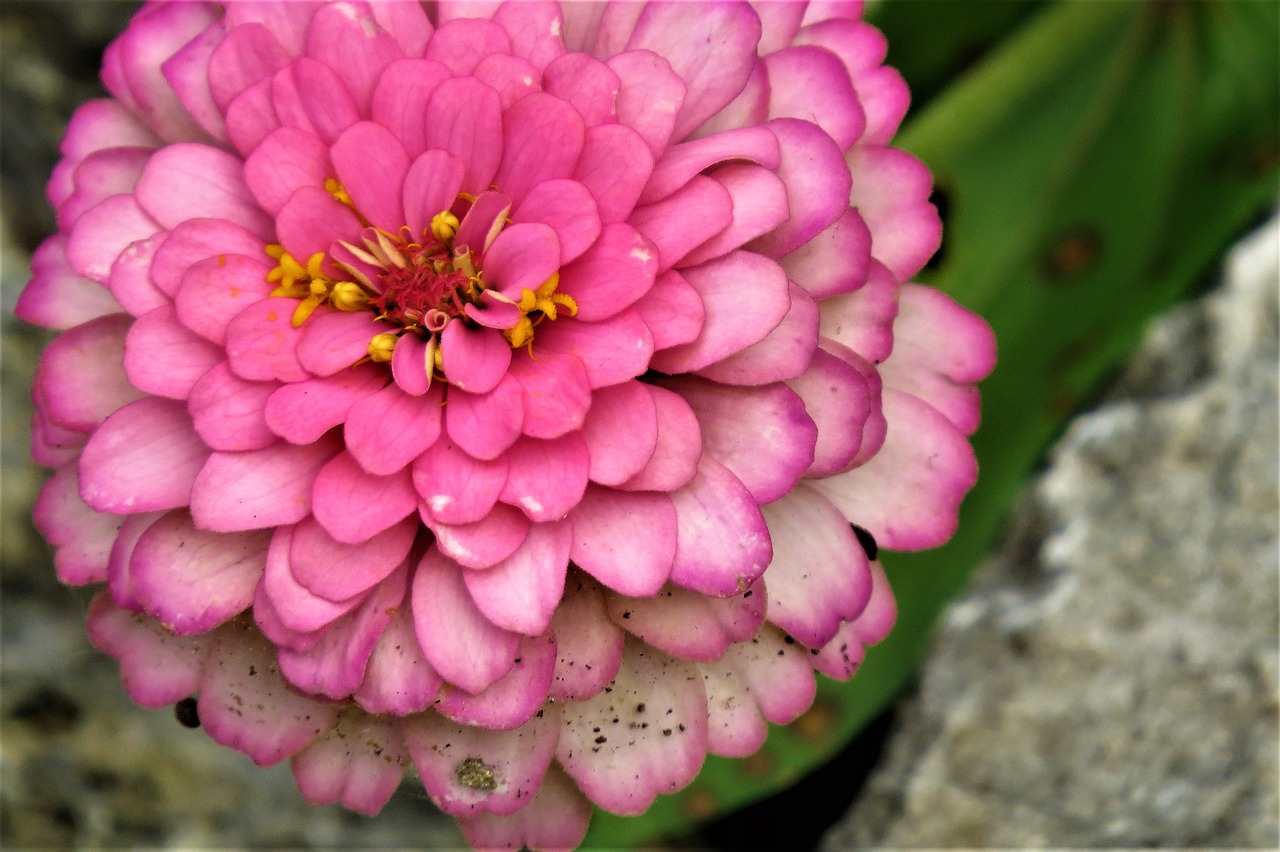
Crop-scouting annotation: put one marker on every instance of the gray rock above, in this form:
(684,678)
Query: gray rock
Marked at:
(1111,678)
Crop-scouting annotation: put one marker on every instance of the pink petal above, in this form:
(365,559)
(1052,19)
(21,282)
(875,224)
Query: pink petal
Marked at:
(841,657)
(83,537)
(819,576)
(543,138)
(546,478)
(258,489)
(812,167)
(658,743)
(252,116)
(748,108)
(100,124)
(461,44)
(311,95)
(621,431)
(534,30)
(767,679)
(81,378)
(398,679)
(510,76)
(675,457)
(187,73)
(385,432)
(909,493)
(445,753)
(213,187)
(625,540)
(680,163)
(119,581)
(156,667)
(838,399)
(339,571)
(466,648)
(588,643)
(521,592)
(891,190)
(568,208)
(303,411)
(297,608)
(333,341)
(783,353)
(556,818)
(759,200)
(722,543)
(131,282)
(485,542)
(407,23)
(475,360)
(812,84)
(614,166)
(334,666)
(101,234)
(688,625)
(51,445)
(672,310)
(555,392)
(464,118)
(246,55)
(359,763)
(163,357)
(349,40)
(413,364)
(835,261)
(522,257)
(193,580)
(611,351)
(431,186)
(196,240)
(267,617)
(216,289)
(650,96)
(58,298)
(612,274)
(456,488)
(731,324)
(687,218)
(400,100)
(485,425)
(513,699)
(245,704)
(262,342)
(483,222)
(144,458)
(288,159)
(863,319)
(586,83)
(311,220)
(354,505)
(99,176)
(375,192)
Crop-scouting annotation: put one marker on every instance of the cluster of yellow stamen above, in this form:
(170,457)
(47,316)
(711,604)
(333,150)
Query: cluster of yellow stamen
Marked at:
(545,301)
(311,285)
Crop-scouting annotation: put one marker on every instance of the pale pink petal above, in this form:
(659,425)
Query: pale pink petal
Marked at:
(83,537)
(546,479)
(812,84)
(862,320)
(689,217)
(216,289)
(163,357)
(407,23)
(339,571)
(81,378)
(514,698)
(119,582)
(614,166)
(672,310)
(51,445)
(464,118)
(386,431)
(813,168)
(130,281)
(833,262)
(349,40)
(156,667)
(681,162)
(297,608)
(212,184)
(258,489)
(759,203)
(626,540)
(102,233)
(57,297)
(649,97)
(354,505)
(144,458)
(485,425)
(837,397)
(303,411)
(466,648)
(472,770)
(193,580)
(675,457)
(568,208)
(819,576)
(245,704)
(521,592)
(100,124)
(195,240)
(99,176)
(588,643)
(556,818)
(768,679)
(841,657)
(722,543)
(262,342)
(783,353)
(456,488)
(891,190)
(621,431)
(750,107)
(658,743)
(486,542)
(359,762)
(187,73)
(398,679)
(689,625)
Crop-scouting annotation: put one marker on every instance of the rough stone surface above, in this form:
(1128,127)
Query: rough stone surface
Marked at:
(1111,678)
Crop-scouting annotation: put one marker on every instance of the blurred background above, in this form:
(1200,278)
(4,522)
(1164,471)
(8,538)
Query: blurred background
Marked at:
(1091,662)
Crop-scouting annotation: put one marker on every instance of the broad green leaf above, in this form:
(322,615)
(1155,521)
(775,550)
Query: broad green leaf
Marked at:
(1093,168)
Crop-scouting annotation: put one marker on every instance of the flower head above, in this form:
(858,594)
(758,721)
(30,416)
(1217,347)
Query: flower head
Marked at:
(493,388)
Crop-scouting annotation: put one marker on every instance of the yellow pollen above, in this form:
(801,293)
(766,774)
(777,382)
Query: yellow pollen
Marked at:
(381,346)
(443,226)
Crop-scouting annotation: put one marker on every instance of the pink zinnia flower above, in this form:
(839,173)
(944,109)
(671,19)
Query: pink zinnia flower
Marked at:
(491,388)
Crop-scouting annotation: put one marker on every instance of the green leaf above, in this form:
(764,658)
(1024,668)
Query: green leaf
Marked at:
(1092,168)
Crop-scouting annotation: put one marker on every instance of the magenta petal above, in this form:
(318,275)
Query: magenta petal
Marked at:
(462,43)
(687,218)
(246,55)
(522,257)
(546,478)
(624,767)
(841,657)
(262,342)
(57,297)
(288,159)
(430,187)
(689,625)
(768,679)
(334,666)
(193,580)
(767,458)
(338,571)
(675,457)
(163,357)
(464,118)
(252,116)
(625,540)
(80,375)
(783,353)
(513,699)
(130,282)
(475,360)
(556,818)
(621,431)
(258,489)
(517,758)
(722,543)
(187,73)
(359,763)
(485,425)
(749,107)
(119,582)
(910,491)
(311,220)
(486,542)
(349,40)
(216,289)
(812,84)
(51,445)
(543,138)
(586,83)
(588,643)
(83,538)
(819,575)
(101,234)
(400,100)
(410,366)
(817,180)
(466,648)
(835,261)
(375,192)
(555,393)
(144,458)
(156,667)
(398,679)
(456,488)
(680,163)
(245,704)
(309,94)
(731,324)
(521,592)
(672,310)
(614,166)
(388,430)
(612,351)
(297,608)
(332,341)
(568,207)
(510,76)
(354,505)
(483,222)
(838,399)
(212,184)
(651,94)
(612,274)
(266,616)
(303,411)
(534,30)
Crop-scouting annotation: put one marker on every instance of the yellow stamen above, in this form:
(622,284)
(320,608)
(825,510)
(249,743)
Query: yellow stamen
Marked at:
(381,347)
(339,193)
(305,309)
(443,226)
(348,296)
